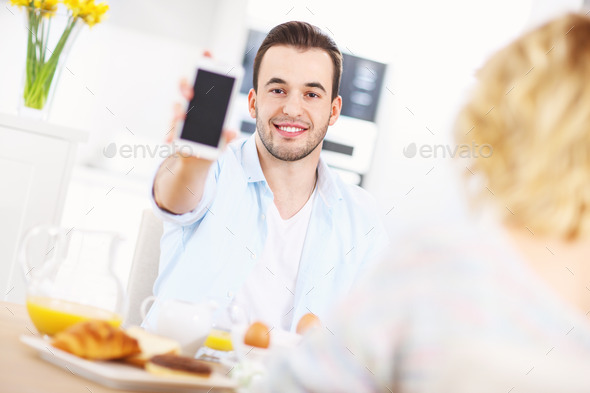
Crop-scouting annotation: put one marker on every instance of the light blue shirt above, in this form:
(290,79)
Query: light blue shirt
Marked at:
(209,252)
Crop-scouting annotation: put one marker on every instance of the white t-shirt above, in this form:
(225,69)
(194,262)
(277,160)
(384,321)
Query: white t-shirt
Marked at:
(269,290)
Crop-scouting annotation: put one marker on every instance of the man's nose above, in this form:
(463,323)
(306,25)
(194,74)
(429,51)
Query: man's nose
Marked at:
(293,106)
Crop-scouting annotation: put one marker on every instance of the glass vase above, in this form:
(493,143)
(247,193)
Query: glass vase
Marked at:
(50,37)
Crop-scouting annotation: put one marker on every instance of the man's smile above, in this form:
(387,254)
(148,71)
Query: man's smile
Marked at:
(289,130)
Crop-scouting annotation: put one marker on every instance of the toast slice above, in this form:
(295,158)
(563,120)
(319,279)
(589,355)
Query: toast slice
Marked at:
(151,345)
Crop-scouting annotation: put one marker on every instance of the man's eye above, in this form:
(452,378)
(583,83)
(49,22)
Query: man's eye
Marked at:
(277,91)
(313,95)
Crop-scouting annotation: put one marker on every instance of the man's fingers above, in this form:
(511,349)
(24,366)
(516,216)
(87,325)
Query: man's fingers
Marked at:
(171,133)
(229,135)
(186,89)
(179,111)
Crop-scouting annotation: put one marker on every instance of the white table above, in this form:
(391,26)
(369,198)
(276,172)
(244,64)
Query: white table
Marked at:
(22,370)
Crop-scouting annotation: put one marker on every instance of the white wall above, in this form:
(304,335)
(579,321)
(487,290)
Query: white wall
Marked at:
(435,48)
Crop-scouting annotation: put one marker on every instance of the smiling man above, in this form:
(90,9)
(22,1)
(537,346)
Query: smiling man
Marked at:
(269,225)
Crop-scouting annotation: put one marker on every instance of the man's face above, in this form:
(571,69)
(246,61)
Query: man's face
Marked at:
(293,106)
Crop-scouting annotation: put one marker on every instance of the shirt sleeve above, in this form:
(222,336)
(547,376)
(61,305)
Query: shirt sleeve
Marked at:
(199,211)
(379,242)
(373,239)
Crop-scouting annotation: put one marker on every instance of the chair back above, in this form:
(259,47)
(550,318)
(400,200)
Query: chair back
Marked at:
(144,267)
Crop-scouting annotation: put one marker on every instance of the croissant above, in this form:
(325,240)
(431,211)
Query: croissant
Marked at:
(96,340)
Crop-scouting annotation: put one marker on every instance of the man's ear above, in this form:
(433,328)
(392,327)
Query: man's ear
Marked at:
(335,112)
(252,103)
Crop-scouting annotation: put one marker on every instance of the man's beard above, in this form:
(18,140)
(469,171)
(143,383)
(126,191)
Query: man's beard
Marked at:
(286,153)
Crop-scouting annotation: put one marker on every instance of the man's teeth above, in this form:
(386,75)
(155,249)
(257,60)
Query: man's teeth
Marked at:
(290,129)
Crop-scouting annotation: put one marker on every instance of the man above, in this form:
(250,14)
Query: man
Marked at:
(268,225)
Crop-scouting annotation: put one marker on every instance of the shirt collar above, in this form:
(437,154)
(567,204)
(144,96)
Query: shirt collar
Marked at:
(251,162)
(327,186)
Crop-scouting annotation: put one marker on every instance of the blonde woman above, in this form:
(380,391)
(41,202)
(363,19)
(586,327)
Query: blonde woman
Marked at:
(499,308)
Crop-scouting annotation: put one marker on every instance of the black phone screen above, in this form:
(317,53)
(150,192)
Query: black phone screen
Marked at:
(207,110)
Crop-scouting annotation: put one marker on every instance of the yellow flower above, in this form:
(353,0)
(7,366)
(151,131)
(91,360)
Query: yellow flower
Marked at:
(94,13)
(74,6)
(87,10)
(47,7)
(23,3)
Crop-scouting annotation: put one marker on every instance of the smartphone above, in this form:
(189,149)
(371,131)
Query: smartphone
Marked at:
(207,113)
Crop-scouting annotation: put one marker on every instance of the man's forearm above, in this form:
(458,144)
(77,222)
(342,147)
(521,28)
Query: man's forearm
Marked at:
(179,183)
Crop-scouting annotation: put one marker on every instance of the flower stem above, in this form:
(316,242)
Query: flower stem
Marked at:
(36,94)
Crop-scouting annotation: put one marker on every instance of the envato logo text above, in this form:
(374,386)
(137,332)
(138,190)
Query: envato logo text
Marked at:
(146,151)
(448,151)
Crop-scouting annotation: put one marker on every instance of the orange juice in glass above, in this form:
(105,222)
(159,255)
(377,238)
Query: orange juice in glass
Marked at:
(70,277)
(219,339)
(51,316)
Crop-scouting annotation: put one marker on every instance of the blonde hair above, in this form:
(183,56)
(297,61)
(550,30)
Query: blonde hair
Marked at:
(532,105)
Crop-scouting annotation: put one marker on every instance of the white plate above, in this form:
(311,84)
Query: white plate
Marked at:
(123,376)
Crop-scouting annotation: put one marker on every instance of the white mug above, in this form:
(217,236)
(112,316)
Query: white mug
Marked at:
(187,323)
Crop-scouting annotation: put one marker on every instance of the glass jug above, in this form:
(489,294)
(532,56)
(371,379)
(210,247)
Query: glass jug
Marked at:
(70,277)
